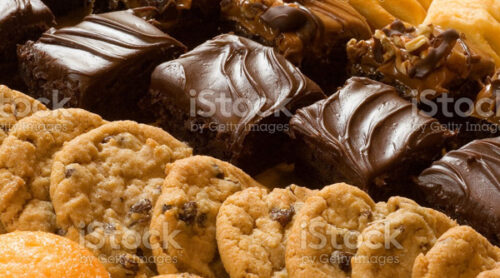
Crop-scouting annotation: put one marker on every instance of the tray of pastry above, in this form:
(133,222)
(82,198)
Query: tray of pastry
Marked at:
(249,138)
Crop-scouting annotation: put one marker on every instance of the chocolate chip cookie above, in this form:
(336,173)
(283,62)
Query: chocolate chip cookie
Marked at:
(26,157)
(461,252)
(324,234)
(388,247)
(252,228)
(183,234)
(15,106)
(104,185)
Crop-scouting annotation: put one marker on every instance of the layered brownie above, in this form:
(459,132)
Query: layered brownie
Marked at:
(231,98)
(416,59)
(102,64)
(20,20)
(310,33)
(466,184)
(368,136)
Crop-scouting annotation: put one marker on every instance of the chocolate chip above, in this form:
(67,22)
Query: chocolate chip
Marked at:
(285,18)
(143,206)
(188,213)
(69,172)
(283,216)
(128,263)
(218,172)
(342,259)
(165,208)
(200,220)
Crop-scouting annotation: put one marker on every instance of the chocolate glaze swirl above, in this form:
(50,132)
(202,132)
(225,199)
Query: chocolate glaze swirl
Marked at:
(369,127)
(255,81)
(109,38)
(466,183)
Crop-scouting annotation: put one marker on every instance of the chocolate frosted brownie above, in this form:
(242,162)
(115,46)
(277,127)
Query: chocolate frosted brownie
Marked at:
(20,20)
(102,64)
(231,98)
(63,7)
(466,184)
(310,33)
(417,59)
(367,135)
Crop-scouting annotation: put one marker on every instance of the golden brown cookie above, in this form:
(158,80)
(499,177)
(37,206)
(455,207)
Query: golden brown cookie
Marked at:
(26,157)
(478,19)
(461,252)
(324,234)
(252,228)
(494,273)
(388,247)
(183,235)
(104,185)
(380,13)
(15,106)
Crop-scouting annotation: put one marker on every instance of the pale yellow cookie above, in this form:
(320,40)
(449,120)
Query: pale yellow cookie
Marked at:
(380,13)
(461,252)
(478,19)
(183,233)
(26,157)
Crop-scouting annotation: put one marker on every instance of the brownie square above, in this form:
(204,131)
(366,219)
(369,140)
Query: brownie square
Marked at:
(20,20)
(368,136)
(231,98)
(102,64)
(310,33)
(466,184)
(64,7)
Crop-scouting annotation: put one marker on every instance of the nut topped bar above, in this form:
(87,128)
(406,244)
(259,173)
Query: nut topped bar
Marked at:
(414,59)
(367,135)
(231,98)
(102,64)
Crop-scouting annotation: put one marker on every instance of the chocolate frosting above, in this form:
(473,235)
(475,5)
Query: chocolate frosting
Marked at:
(96,49)
(30,11)
(466,183)
(368,127)
(256,81)
(301,28)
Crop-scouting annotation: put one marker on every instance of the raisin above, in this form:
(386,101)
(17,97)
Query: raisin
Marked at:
(69,172)
(283,216)
(128,263)
(342,259)
(218,172)
(143,206)
(189,211)
(200,220)
(165,208)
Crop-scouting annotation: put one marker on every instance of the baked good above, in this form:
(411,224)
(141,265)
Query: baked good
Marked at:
(479,20)
(20,20)
(311,34)
(324,234)
(252,229)
(368,136)
(116,53)
(39,254)
(183,235)
(382,13)
(388,248)
(104,185)
(464,183)
(419,59)
(460,252)
(14,107)
(485,106)
(26,157)
(179,275)
(231,98)
(494,273)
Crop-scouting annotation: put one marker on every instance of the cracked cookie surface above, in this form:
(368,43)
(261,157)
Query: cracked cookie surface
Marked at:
(324,234)
(388,247)
(26,157)
(461,252)
(104,185)
(183,233)
(252,228)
